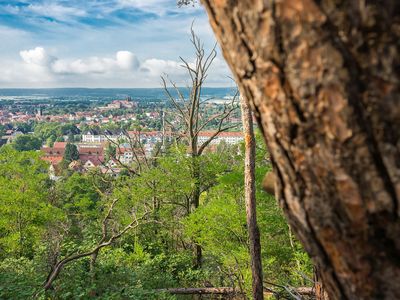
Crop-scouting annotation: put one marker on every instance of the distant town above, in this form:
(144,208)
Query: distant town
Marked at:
(106,136)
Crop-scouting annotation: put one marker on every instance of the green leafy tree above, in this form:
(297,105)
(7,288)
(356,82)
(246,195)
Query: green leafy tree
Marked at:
(110,150)
(24,127)
(24,208)
(219,226)
(27,142)
(44,130)
(71,153)
(50,140)
(69,129)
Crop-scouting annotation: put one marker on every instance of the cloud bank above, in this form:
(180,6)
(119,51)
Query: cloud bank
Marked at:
(121,69)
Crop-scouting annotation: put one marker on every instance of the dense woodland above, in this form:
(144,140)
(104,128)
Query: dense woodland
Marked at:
(44,222)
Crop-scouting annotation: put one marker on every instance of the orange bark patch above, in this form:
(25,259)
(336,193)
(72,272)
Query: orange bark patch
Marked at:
(220,3)
(332,104)
(247,139)
(306,10)
(349,192)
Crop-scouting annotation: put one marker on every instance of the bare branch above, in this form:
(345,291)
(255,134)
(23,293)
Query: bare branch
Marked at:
(173,100)
(101,244)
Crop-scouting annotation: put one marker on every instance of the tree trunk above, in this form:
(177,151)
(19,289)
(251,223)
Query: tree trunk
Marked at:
(196,201)
(323,80)
(250,199)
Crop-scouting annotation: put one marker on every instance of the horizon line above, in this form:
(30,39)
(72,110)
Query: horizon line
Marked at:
(125,88)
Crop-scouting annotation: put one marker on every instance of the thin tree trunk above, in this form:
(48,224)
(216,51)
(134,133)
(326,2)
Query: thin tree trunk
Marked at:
(196,201)
(323,79)
(250,199)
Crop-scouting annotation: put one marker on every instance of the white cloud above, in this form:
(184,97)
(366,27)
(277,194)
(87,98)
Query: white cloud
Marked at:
(157,67)
(37,68)
(80,66)
(127,60)
(36,56)
(124,60)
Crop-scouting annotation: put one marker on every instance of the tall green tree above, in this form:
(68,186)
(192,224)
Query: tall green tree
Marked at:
(71,153)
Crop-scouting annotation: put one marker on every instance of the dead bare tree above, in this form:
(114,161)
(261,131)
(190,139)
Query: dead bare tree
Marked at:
(185,2)
(106,240)
(189,112)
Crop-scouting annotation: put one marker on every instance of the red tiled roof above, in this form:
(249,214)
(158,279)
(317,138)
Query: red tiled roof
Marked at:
(60,145)
(95,159)
(91,150)
(54,160)
(53,151)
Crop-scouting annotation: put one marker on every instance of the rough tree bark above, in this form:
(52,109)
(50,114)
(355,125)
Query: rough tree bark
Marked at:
(323,80)
(250,199)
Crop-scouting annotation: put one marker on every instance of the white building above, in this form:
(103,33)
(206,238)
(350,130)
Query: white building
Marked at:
(230,138)
(93,136)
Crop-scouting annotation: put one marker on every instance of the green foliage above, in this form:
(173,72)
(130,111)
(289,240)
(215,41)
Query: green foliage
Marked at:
(19,278)
(24,209)
(52,131)
(42,222)
(219,226)
(110,151)
(51,140)
(71,153)
(27,142)
(24,127)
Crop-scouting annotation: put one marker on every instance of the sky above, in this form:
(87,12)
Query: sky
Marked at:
(100,43)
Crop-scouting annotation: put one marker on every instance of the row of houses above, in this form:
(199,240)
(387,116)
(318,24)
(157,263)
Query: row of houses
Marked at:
(92,150)
(153,137)
(91,155)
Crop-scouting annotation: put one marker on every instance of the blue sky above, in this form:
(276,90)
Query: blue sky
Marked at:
(99,43)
